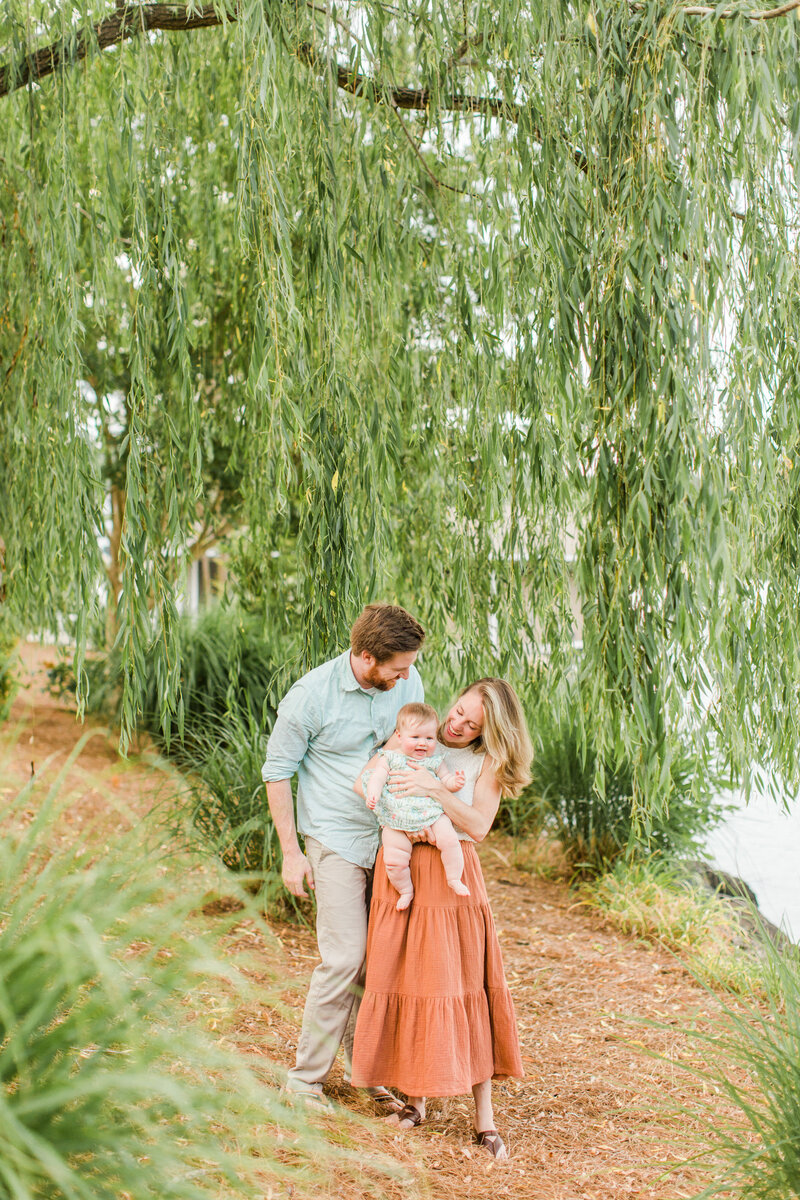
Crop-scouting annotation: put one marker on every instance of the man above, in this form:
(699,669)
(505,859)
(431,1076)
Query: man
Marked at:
(328,725)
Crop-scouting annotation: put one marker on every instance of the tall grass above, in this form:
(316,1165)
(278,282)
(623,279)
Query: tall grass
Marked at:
(8,642)
(596,829)
(109,1088)
(656,901)
(752,1059)
(107,1091)
(218,735)
(228,803)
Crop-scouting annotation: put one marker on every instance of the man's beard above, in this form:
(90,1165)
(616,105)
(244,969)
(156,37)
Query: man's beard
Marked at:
(373,680)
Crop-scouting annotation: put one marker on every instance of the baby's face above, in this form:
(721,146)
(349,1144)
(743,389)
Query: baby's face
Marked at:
(417,741)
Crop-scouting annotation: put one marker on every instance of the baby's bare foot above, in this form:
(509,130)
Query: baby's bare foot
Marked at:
(458,887)
(405,900)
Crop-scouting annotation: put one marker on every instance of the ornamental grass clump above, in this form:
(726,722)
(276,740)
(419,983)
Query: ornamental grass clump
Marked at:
(752,1058)
(110,1088)
(589,804)
(228,807)
(225,717)
(217,735)
(656,901)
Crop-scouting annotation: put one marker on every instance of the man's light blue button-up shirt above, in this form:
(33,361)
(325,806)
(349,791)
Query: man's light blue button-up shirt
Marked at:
(327,728)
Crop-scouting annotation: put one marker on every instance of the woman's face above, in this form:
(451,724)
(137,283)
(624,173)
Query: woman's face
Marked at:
(464,722)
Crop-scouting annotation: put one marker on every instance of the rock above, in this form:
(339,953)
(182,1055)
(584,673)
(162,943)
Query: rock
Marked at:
(754,924)
(721,882)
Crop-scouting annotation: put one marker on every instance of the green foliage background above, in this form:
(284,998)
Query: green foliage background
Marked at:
(420,354)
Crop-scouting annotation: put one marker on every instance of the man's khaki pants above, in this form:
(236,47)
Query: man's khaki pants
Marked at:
(342,892)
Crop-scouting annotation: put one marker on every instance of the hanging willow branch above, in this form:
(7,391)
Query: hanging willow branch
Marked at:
(141,18)
(135,19)
(390,398)
(130,20)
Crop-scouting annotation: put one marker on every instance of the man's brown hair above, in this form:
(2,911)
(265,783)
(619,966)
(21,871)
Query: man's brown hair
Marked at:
(417,714)
(384,630)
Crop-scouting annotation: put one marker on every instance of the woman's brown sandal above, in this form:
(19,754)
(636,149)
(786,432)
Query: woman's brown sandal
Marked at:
(490,1140)
(409,1113)
(385,1100)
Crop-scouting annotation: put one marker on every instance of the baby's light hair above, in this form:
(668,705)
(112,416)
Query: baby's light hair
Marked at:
(416,714)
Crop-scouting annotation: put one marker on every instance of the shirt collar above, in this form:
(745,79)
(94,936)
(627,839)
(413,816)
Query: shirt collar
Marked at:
(349,681)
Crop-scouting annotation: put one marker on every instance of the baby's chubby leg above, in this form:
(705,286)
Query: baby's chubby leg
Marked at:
(397,860)
(452,854)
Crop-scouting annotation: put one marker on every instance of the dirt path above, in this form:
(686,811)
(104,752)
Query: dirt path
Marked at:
(591,1120)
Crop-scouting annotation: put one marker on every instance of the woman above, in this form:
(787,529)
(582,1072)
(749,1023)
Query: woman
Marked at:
(437,1017)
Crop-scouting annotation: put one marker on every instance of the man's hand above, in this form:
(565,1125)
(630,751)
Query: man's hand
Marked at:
(296,871)
(413,780)
(423,835)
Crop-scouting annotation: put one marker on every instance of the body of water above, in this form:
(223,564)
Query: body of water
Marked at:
(760,842)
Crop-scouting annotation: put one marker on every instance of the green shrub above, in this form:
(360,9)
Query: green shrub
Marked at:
(108,1089)
(219,734)
(227,667)
(596,829)
(8,642)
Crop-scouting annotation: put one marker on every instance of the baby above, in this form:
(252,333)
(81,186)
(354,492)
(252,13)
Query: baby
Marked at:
(417,725)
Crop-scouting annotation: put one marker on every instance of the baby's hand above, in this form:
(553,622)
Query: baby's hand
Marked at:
(372,800)
(455,781)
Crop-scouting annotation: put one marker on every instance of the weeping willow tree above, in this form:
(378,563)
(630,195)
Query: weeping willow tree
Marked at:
(435,294)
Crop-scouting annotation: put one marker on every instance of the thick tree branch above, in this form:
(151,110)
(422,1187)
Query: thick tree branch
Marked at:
(726,14)
(132,19)
(17,353)
(419,99)
(699,10)
(125,23)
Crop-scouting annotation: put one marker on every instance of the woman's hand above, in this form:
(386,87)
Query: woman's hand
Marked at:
(414,781)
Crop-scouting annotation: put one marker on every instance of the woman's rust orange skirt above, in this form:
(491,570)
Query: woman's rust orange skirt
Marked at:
(437,1015)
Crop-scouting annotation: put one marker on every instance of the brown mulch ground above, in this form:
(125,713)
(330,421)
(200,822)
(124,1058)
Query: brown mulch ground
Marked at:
(596,1117)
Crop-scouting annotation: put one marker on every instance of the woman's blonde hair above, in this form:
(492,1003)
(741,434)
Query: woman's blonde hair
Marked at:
(504,736)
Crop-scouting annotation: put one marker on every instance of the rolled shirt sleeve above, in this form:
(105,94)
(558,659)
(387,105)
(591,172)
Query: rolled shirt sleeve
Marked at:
(295,725)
